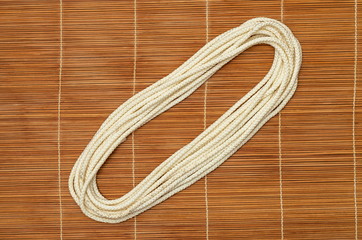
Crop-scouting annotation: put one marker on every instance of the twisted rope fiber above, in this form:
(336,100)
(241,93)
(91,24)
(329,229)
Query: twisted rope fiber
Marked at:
(213,146)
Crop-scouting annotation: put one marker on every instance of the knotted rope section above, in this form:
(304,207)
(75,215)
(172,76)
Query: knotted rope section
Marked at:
(213,146)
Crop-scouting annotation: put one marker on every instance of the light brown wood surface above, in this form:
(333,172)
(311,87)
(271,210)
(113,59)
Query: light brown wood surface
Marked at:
(244,194)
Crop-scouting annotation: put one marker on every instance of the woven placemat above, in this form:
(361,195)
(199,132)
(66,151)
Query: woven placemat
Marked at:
(300,189)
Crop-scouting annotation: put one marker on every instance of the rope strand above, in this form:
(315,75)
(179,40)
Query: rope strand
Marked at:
(213,146)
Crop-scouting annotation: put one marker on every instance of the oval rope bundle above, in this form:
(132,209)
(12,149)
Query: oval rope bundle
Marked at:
(213,146)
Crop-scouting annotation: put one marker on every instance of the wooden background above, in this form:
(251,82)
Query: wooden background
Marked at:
(246,200)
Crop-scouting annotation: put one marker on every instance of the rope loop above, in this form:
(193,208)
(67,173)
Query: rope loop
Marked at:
(213,146)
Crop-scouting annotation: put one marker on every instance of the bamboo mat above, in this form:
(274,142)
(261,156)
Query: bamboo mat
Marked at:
(302,188)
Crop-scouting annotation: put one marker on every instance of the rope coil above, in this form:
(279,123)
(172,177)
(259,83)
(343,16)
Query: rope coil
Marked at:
(213,146)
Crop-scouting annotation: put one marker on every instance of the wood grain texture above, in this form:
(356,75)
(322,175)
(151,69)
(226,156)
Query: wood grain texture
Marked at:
(97,76)
(319,184)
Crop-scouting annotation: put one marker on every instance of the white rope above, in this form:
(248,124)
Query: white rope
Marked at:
(213,146)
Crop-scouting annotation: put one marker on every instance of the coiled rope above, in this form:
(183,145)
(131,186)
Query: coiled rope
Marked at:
(213,146)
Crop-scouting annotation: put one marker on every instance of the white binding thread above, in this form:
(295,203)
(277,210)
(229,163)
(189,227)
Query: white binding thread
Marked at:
(355,197)
(205,124)
(280,152)
(213,146)
(59,117)
(133,93)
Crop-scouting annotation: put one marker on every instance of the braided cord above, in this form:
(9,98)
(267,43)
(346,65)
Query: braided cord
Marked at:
(209,149)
